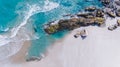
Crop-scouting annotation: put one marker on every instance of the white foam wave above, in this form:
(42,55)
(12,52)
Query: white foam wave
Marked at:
(18,34)
(33,10)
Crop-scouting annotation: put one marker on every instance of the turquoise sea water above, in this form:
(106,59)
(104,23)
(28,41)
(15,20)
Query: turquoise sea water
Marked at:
(14,14)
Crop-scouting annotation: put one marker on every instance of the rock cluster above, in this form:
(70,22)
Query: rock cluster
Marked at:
(96,17)
(91,16)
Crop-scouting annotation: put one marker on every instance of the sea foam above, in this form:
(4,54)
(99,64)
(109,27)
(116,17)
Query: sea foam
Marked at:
(11,42)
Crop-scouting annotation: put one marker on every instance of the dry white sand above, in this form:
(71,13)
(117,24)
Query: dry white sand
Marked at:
(100,49)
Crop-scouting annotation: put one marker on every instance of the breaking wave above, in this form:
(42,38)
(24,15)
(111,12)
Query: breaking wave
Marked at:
(11,42)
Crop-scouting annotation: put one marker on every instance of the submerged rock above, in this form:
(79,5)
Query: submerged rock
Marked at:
(105,2)
(91,8)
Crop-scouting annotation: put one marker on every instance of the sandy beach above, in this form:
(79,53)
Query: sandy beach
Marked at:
(26,23)
(99,49)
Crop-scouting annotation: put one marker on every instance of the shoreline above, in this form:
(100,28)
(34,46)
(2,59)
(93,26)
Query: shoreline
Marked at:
(19,57)
(70,51)
(99,49)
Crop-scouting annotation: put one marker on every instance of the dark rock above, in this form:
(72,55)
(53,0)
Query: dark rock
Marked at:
(105,2)
(67,15)
(82,15)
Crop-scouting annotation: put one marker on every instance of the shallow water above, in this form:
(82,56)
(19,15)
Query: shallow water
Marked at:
(23,20)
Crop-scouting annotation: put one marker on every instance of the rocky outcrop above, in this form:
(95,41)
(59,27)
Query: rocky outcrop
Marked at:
(73,23)
(91,16)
